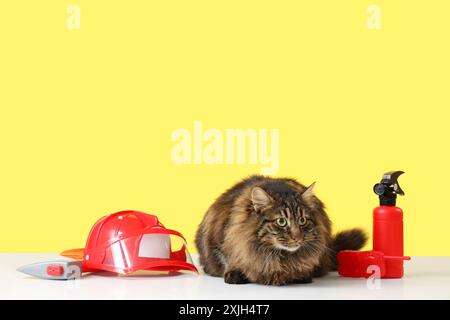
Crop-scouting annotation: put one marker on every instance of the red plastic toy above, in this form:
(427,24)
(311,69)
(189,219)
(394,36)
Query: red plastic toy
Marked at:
(387,255)
(128,241)
(122,242)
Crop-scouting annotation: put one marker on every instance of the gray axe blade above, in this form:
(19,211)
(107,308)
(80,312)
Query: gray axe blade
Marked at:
(54,270)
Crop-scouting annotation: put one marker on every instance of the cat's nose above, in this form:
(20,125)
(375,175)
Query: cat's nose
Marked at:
(297,235)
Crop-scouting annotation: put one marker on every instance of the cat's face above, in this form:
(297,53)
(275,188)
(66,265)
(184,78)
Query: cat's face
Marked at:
(289,220)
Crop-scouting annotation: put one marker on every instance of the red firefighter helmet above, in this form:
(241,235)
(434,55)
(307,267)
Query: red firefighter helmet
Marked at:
(128,241)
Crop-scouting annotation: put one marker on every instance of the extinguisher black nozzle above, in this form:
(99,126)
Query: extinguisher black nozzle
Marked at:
(378,189)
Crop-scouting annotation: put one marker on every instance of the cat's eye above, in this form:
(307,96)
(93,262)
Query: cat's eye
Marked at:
(302,221)
(282,222)
(308,226)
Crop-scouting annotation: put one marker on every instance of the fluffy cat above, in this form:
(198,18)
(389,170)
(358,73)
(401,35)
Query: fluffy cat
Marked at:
(272,231)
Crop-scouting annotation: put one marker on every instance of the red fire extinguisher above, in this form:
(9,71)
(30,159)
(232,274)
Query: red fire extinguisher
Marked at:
(388,224)
(387,253)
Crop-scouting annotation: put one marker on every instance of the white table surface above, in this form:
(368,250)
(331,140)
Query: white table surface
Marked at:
(425,278)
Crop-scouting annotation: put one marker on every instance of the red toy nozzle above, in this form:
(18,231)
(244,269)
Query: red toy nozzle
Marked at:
(397,258)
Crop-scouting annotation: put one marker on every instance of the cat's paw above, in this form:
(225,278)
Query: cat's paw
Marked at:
(274,279)
(303,280)
(275,282)
(235,277)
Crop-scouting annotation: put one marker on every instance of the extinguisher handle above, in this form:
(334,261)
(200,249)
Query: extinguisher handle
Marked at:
(388,188)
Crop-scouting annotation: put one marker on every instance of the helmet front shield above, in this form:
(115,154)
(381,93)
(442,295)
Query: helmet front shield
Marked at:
(160,250)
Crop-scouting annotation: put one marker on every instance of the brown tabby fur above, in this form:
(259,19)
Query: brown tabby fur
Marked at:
(240,240)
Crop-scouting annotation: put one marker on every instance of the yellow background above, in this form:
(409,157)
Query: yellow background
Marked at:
(86,115)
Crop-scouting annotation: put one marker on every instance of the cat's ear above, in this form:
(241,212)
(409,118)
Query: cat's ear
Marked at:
(308,194)
(260,199)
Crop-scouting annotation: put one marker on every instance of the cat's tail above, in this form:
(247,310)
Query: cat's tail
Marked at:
(353,239)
